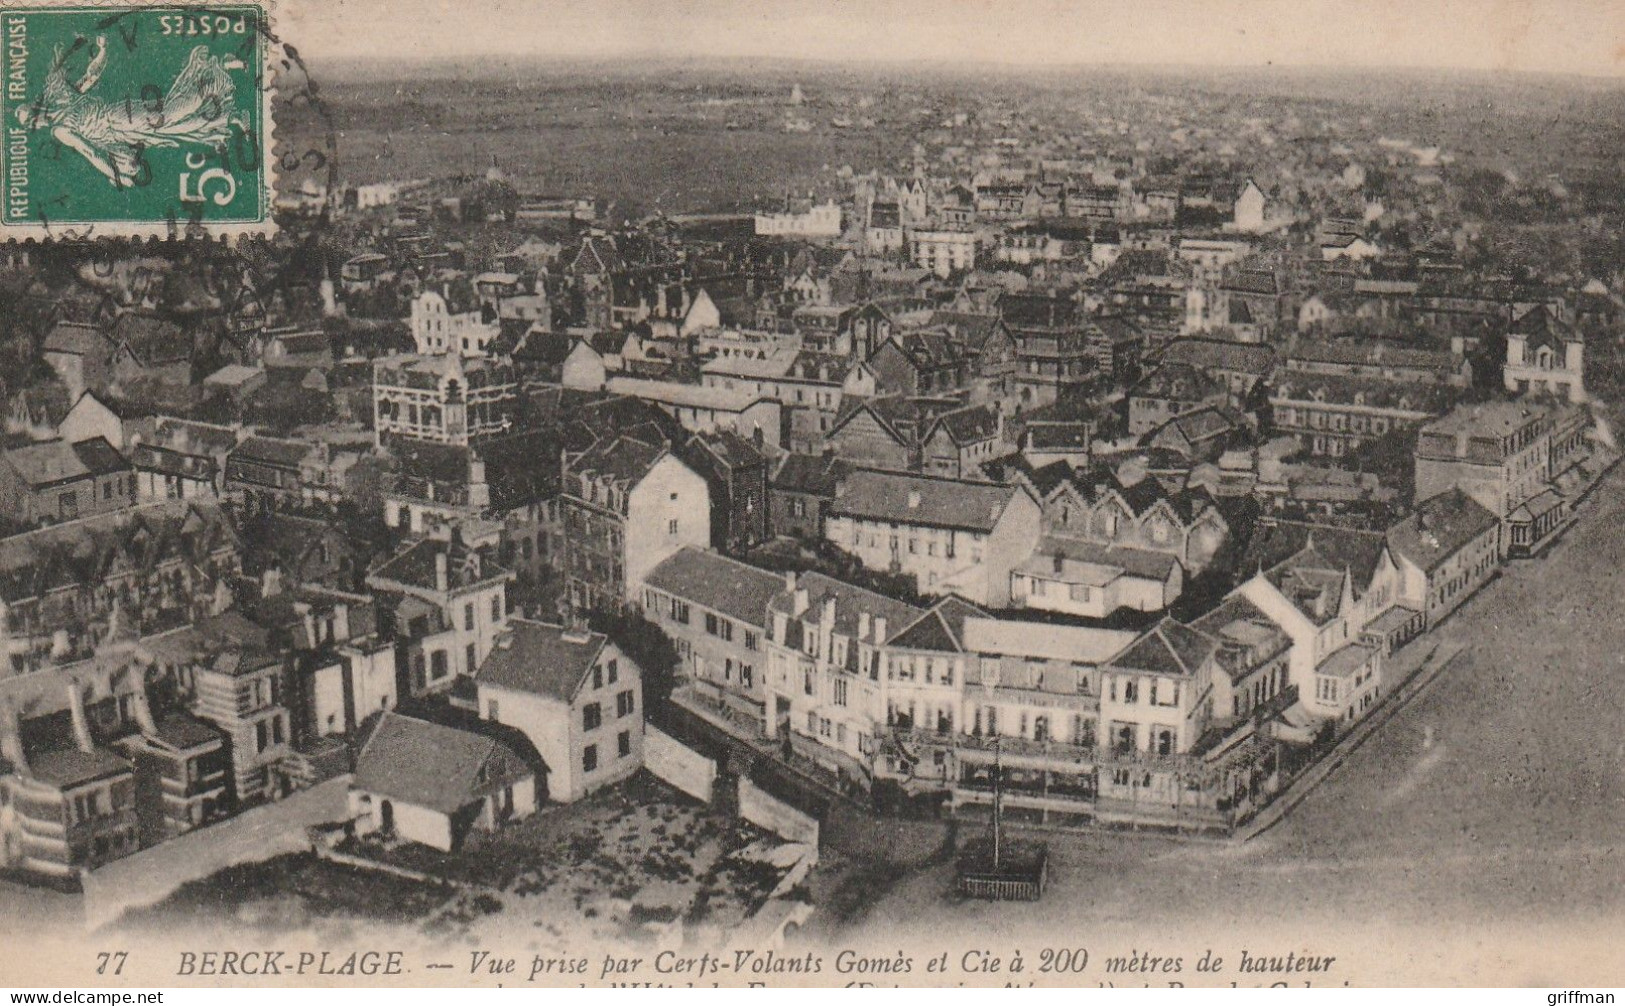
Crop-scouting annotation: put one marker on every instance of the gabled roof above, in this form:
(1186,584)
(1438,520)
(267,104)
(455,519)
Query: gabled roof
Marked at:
(967,426)
(622,459)
(428,765)
(904,498)
(1178,381)
(1441,526)
(100,457)
(810,473)
(1168,648)
(714,581)
(273,451)
(46,463)
(542,659)
(76,338)
(415,565)
(153,341)
(941,628)
(850,600)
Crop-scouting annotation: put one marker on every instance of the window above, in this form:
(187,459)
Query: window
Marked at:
(614,669)
(468,617)
(1131,690)
(671,526)
(840,691)
(747,675)
(589,758)
(262,735)
(470,664)
(679,611)
(437,665)
(623,743)
(496,604)
(592,716)
(625,704)
(598,676)
(752,643)
(491,711)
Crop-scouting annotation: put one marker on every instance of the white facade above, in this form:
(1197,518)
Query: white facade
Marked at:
(943,252)
(437,329)
(823,220)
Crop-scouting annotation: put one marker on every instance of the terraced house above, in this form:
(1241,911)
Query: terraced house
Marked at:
(954,536)
(63,589)
(715,610)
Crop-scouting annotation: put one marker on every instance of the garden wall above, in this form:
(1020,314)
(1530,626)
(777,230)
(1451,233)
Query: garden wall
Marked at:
(257,834)
(680,765)
(766,811)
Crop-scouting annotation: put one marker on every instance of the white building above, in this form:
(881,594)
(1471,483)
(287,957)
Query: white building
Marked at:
(575,695)
(817,221)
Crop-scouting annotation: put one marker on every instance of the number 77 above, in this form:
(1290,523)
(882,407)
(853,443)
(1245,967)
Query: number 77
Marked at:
(116,958)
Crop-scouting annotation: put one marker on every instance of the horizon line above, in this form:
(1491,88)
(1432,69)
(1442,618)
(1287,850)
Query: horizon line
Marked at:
(986,63)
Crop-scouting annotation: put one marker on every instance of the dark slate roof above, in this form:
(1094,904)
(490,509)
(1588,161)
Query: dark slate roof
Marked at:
(77,338)
(904,498)
(623,459)
(1178,381)
(100,457)
(1246,636)
(1023,310)
(541,659)
(69,767)
(273,450)
(941,628)
(740,591)
(429,765)
(152,340)
(1168,648)
(1047,436)
(969,426)
(1439,528)
(810,473)
(1221,354)
(849,600)
(414,566)
(182,731)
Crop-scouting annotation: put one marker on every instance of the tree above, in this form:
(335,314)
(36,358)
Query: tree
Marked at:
(646,645)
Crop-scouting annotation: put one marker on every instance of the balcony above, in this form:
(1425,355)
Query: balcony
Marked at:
(1026,747)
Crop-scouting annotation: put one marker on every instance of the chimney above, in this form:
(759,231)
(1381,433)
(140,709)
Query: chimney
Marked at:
(880,629)
(441,580)
(790,581)
(799,602)
(271,582)
(11,738)
(781,627)
(863,625)
(913,499)
(143,706)
(840,489)
(81,723)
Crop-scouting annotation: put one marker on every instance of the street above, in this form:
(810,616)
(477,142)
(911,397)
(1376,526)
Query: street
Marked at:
(1493,800)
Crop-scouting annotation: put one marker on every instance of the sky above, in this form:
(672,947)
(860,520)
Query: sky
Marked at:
(1562,36)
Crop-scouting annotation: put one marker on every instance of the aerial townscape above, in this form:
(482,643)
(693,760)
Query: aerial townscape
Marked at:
(716,521)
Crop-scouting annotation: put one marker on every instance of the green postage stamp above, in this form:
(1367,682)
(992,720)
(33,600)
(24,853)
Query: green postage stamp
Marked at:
(129,120)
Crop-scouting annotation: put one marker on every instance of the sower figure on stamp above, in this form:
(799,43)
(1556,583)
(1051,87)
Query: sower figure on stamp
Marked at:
(112,135)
